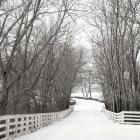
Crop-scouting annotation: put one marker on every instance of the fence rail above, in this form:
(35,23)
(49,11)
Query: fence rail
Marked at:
(124,117)
(12,126)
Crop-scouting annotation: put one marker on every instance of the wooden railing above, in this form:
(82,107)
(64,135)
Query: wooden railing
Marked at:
(12,126)
(124,117)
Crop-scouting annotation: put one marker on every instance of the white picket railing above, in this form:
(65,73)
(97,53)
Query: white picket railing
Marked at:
(12,126)
(124,117)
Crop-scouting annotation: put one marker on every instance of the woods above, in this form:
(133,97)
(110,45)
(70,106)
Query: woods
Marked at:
(38,58)
(116,49)
(70,61)
(40,61)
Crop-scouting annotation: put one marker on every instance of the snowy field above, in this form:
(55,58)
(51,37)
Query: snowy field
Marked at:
(96,95)
(87,122)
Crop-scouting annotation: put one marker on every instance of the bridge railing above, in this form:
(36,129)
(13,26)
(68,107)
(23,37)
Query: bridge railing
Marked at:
(12,126)
(124,117)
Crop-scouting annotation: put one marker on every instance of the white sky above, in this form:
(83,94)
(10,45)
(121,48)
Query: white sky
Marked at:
(83,37)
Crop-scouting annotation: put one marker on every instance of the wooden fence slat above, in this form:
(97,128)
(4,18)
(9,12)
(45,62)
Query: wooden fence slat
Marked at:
(124,117)
(12,126)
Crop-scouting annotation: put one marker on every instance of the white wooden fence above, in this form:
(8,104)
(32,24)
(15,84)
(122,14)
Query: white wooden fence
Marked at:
(124,117)
(12,126)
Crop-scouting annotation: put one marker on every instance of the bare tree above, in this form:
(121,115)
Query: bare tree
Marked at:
(30,50)
(115,52)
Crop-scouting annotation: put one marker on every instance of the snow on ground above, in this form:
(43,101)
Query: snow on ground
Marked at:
(87,122)
(96,95)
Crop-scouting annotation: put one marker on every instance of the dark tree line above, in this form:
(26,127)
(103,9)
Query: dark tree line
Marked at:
(38,58)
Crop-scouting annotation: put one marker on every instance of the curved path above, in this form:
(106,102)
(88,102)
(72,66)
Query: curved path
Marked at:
(87,122)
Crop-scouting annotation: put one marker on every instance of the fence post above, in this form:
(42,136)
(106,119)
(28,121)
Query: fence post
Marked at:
(122,117)
(7,126)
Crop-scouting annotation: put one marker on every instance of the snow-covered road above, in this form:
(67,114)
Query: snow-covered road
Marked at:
(87,122)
